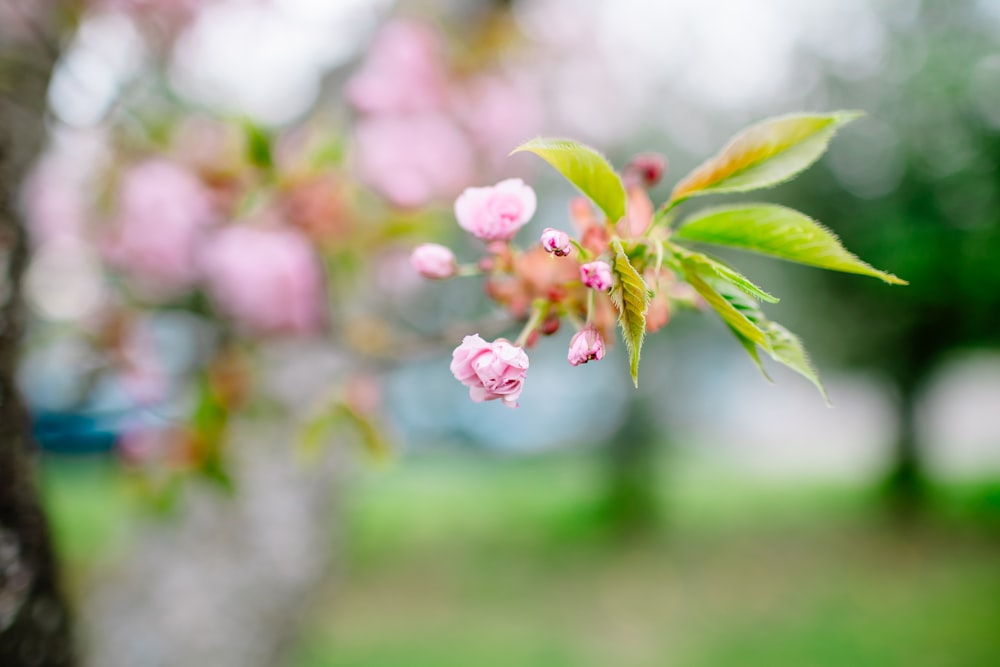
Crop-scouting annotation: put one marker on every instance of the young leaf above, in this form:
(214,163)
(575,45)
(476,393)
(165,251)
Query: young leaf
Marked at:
(585,168)
(787,349)
(734,313)
(765,154)
(781,344)
(724,271)
(631,296)
(780,232)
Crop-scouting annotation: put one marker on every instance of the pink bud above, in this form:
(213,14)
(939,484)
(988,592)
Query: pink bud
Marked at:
(645,169)
(585,345)
(596,275)
(434,261)
(556,242)
(490,370)
(496,213)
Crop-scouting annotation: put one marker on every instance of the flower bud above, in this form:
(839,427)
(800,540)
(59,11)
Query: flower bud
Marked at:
(555,242)
(596,275)
(434,261)
(645,169)
(585,345)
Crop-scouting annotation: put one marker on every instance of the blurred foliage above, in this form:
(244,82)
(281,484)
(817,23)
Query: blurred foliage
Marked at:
(940,226)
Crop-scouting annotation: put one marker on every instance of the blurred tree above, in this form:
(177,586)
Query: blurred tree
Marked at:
(34,620)
(926,165)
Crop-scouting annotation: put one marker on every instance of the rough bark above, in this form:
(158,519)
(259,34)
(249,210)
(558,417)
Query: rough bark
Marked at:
(34,623)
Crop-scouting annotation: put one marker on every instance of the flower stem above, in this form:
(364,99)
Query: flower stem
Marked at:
(539,310)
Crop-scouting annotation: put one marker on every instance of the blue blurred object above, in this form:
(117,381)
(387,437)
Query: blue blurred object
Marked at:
(75,432)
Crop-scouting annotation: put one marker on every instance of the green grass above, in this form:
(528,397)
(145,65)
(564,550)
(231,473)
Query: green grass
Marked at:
(508,563)
(465,561)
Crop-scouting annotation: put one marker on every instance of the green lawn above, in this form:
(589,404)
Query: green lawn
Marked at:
(476,561)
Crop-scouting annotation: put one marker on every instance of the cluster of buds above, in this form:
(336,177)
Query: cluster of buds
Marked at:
(559,278)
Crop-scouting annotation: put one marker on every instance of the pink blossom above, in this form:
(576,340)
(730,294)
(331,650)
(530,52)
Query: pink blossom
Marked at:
(490,370)
(403,72)
(53,200)
(500,112)
(162,211)
(269,280)
(434,261)
(596,275)
(413,160)
(497,212)
(555,242)
(585,345)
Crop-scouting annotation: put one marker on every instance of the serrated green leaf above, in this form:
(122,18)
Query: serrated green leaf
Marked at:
(781,344)
(787,349)
(585,168)
(735,314)
(724,271)
(751,349)
(780,232)
(631,296)
(765,154)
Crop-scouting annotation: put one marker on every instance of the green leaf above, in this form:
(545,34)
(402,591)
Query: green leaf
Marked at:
(724,271)
(787,348)
(338,414)
(751,349)
(585,168)
(733,312)
(780,232)
(781,344)
(631,296)
(258,145)
(765,154)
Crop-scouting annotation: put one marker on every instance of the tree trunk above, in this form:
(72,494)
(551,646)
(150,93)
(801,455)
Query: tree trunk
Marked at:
(225,582)
(906,481)
(631,503)
(34,623)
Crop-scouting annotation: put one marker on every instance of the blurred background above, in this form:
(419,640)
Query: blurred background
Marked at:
(708,518)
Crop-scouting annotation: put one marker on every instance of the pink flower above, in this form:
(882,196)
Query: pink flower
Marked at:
(54,202)
(413,160)
(404,71)
(499,111)
(490,370)
(556,242)
(585,345)
(596,275)
(269,280)
(496,213)
(434,261)
(163,210)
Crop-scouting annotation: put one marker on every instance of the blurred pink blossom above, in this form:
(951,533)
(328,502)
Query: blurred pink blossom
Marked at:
(434,261)
(413,160)
(500,113)
(403,73)
(586,345)
(162,211)
(490,370)
(596,275)
(269,280)
(53,201)
(496,213)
